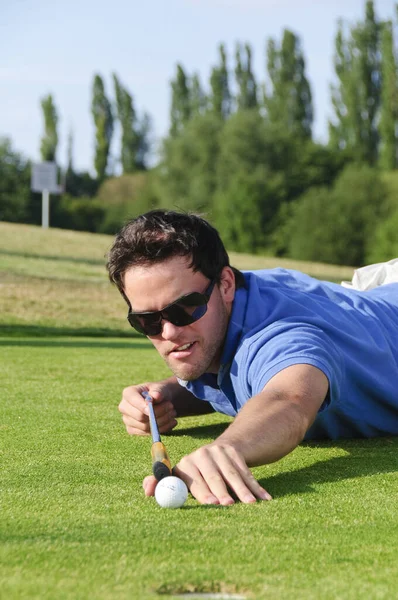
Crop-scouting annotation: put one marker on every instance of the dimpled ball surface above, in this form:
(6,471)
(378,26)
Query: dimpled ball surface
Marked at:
(171,492)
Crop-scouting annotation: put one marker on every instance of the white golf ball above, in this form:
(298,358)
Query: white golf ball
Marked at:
(171,492)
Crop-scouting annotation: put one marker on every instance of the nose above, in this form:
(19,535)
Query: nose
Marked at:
(169,331)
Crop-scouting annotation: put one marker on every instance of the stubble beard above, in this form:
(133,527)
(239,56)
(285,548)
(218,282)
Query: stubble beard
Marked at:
(210,353)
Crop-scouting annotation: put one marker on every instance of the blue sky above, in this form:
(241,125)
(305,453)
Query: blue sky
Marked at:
(57,46)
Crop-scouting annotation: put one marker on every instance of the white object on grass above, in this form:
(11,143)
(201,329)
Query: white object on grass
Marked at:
(171,492)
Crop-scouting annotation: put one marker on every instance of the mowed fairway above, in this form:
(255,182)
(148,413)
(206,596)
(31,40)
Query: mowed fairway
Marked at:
(74,523)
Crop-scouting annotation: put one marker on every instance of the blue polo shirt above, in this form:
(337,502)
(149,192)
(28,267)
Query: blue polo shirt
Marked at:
(282,318)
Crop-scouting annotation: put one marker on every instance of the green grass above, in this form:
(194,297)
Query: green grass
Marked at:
(74,522)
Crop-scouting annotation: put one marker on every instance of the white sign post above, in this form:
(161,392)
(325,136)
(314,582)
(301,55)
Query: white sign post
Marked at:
(44,180)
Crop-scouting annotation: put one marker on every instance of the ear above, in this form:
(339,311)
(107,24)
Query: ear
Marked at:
(227,285)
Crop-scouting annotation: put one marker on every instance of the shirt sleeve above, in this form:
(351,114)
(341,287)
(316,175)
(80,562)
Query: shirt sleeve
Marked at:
(284,345)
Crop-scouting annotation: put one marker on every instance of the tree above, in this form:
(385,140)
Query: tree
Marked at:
(69,173)
(289,103)
(356,97)
(389,100)
(189,163)
(250,186)
(69,153)
(383,245)
(49,141)
(128,121)
(247,87)
(14,184)
(77,185)
(144,128)
(220,99)
(180,111)
(240,210)
(336,225)
(121,198)
(198,98)
(103,121)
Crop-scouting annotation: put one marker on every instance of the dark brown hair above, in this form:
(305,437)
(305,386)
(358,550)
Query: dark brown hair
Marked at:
(161,234)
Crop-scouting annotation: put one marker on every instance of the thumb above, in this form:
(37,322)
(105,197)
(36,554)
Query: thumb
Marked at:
(158,394)
(152,394)
(149,485)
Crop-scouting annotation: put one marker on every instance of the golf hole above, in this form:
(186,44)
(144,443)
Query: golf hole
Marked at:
(210,596)
(204,592)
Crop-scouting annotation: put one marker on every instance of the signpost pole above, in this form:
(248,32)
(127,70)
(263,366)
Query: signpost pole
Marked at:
(45,209)
(44,180)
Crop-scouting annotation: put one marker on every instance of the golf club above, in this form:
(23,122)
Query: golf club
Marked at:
(161,466)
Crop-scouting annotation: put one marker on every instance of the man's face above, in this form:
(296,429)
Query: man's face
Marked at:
(194,349)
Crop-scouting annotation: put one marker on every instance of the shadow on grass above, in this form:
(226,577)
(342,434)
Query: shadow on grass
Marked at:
(202,431)
(19,335)
(49,343)
(45,331)
(365,458)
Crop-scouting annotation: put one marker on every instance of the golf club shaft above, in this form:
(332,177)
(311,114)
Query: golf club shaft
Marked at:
(161,466)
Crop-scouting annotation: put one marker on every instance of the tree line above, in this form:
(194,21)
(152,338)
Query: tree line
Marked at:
(242,152)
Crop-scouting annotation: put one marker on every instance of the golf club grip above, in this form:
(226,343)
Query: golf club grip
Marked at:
(161,465)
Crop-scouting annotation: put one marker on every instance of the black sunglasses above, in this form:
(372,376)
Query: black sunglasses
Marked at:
(183,311)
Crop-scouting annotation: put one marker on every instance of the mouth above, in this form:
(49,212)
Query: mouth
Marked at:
(182,351)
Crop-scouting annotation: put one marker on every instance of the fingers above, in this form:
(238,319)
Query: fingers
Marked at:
(149,485)
(136,419)
(135,413)
(213,470)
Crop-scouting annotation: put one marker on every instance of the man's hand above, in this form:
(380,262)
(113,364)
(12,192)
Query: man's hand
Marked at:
(214,471)
(135,410)
(170,400)
(269,426)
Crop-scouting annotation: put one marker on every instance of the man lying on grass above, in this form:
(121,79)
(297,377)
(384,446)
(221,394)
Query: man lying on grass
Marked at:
(288,356)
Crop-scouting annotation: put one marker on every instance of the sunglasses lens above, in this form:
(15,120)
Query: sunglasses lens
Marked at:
(177,315)
(146,324)
(184,311)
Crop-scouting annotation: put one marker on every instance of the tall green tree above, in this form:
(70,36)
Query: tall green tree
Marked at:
(220,98)
(49,141)
(198,99)
(103,120)
(249,185)
(180,112)
(389,100)
(345,129)
(189,164)
(76,184)
(69,152)
(144,128)
(356,96)
(130,138)
(288,104)
(245,79)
